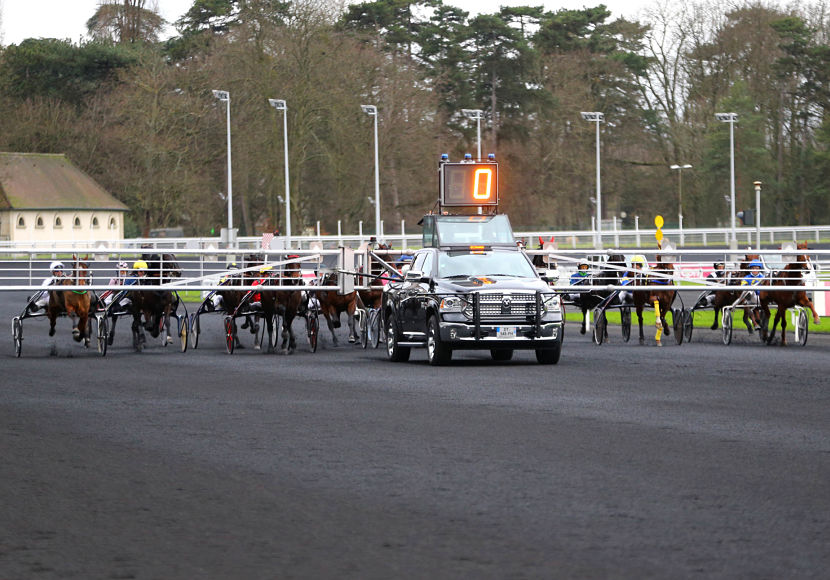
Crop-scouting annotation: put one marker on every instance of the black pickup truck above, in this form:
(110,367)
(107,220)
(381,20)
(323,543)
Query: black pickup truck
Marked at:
(475,296)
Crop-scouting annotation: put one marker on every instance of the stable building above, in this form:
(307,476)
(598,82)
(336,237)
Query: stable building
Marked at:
(46,198)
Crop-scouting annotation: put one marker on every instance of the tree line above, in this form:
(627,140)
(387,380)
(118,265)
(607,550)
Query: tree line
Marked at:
(138,114)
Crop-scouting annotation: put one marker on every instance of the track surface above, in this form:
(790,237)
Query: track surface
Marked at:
(698,461)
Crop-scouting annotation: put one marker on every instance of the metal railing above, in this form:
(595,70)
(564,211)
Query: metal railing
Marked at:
(573,239)
(202,270)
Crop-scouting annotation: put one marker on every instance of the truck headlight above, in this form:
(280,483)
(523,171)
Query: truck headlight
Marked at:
(552,303)
(452,304)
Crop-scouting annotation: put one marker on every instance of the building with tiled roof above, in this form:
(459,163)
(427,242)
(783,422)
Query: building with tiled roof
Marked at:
(45,197)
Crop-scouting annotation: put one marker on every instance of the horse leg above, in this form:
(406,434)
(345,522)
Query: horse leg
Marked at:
(83,323)
(807,303)
(783,325)
(112,331)
(76,332)
(640,321)
(717,317)
(771,335)
(236,342)
(584,327)
(53,316)
(746,319)
(665,306)
(288,342)
(331,325)
(353,337)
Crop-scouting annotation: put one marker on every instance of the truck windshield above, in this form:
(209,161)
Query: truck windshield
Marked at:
(465,230)
(493,263)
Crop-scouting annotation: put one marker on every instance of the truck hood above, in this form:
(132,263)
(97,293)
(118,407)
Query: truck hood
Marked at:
(491,284)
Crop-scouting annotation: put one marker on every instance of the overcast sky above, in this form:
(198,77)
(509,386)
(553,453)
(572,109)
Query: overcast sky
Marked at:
(67,18)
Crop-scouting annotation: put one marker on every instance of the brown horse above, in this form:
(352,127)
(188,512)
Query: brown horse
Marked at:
(332,304)
(664,298)
(728,297)
(74,303)
(289,301)
(154,305)
(232,298)
(791,275)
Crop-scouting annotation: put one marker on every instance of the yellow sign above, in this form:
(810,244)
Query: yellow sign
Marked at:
(659,235)
(658,221)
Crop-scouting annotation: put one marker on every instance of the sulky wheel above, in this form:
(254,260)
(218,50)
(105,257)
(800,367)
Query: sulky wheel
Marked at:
(625,322)
(802,326)
(726,324)
(229,339)
(194,330)
(312,328)
(374,327)
(183,332)
(102,336)
(688,324)
(363,326)
(600,325)
(17,335)
(677,325)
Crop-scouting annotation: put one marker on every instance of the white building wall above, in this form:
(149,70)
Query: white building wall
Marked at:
(45,226)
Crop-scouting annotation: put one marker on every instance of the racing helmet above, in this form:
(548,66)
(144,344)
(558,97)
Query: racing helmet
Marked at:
(582,262)
(56,267)
(638,259)
(756,264)
(716,264)
(122,265)
(233,266)
(140,265)
(265,269)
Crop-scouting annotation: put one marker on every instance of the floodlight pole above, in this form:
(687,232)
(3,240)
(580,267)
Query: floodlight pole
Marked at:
(757,185)
(679,169)
(597,117)
(372,110)
(225,97)
(731,118)
(475,114)
(279,105)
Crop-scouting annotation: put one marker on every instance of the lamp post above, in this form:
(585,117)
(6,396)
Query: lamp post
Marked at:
(225,97)
(757,185)
(679,169)
(731,118)
(597,117)
(279,105)
(372,110)
(477,115)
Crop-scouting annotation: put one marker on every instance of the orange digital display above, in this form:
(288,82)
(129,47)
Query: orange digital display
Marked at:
(469,184)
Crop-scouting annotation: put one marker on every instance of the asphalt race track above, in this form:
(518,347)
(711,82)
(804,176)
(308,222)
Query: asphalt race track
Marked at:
(622,461)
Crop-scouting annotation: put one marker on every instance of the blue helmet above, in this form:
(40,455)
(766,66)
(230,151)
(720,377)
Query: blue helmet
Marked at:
(756,264)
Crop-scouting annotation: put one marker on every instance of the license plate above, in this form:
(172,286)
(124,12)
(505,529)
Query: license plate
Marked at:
(505,332)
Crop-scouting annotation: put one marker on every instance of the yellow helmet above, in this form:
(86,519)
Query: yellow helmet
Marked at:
(140,265)
(265,268)
(638,259)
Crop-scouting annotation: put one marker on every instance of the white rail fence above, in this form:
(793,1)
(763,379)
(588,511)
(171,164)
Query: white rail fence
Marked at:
(576,239)
(203,270)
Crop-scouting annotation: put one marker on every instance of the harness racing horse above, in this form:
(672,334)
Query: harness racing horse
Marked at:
(154,305)
(728,297)
(76,303)
(231,298)
(586,301)
(332,304)
(791,275)
(289,302)
(663,298)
